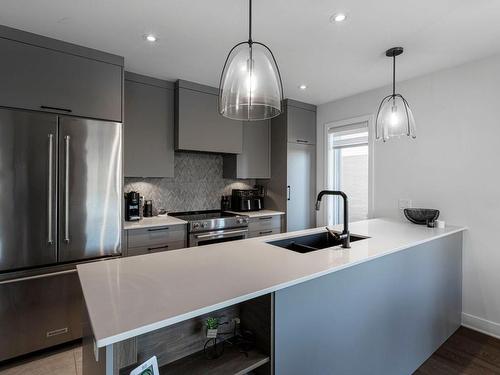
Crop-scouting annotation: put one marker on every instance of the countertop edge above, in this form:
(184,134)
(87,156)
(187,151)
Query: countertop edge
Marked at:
(152,225)
(102,342)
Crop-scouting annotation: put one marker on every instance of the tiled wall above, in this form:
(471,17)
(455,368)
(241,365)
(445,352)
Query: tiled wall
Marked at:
(198,184)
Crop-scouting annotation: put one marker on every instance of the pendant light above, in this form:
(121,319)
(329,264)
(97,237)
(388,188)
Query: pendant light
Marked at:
(250,85)
(394,117)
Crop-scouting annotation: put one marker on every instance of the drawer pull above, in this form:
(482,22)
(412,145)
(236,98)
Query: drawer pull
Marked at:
(266,232)
(157,229)
(302,141)
(56,109)
(157,248)
(266,218)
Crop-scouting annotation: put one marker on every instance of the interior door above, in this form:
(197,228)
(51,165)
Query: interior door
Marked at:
(301,213)
(28,144)
(90,194)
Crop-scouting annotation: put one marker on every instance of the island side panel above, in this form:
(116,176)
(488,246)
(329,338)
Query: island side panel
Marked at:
(385,316)
(103,364)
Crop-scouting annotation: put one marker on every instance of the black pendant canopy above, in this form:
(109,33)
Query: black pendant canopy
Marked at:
(394,117)
(250,85)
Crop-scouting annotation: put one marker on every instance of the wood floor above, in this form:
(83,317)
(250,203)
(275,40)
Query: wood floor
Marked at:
(466,352)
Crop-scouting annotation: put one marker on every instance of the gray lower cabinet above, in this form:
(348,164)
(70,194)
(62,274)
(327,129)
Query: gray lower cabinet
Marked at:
(292,186)
(264,226)
(44,79)
(255,160)
(149,127)
(198,124)
(150,240)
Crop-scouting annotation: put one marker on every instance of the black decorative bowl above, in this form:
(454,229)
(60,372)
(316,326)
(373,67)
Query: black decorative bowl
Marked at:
(422,216)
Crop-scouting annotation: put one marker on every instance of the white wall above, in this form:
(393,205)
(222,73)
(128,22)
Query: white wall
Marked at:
(453,165)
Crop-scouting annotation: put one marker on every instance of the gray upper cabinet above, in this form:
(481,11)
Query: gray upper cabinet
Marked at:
(301,122)
(43,78)
(255,160)
(149,127)
(198,124)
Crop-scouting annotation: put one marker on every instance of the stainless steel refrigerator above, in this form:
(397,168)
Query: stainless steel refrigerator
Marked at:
(61,203)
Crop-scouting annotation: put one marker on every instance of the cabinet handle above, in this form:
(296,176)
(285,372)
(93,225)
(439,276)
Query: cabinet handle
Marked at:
(157,229)
(50,190)
(157,248)
(66,188)
(302,141)
(265,218)
(56,108)
(266,232)
(288,195)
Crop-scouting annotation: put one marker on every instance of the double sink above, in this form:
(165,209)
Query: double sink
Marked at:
(312,242)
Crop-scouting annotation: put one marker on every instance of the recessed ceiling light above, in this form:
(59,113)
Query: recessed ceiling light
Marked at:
(150,38)
(338,17)
(302,87)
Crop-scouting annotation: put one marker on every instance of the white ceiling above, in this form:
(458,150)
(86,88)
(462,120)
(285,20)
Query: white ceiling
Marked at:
(333,60)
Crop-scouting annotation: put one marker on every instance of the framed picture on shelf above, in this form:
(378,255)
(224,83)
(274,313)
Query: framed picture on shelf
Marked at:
(150,367)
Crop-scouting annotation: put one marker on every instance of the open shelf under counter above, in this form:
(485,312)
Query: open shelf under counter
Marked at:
(232,362)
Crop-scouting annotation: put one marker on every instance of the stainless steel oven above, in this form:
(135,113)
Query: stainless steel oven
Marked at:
(213,226)
(207,238)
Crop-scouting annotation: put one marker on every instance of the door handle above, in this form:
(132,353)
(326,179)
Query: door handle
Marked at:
(157,229)
(221,235)
(56,109)
(66,188)
(288,193)
(50,188)
(157,248)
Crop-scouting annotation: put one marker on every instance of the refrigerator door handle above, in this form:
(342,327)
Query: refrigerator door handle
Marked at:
(66,188)
(50,189)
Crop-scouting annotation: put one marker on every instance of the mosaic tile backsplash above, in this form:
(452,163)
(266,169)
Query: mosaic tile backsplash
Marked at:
(198,184)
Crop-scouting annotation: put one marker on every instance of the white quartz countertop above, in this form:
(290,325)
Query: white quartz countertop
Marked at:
(260,213)
(130,296)
(151,222)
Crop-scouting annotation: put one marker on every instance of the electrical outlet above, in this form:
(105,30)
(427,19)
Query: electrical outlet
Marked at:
(404,203)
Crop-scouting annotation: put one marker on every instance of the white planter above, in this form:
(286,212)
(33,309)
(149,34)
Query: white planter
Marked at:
(211,333)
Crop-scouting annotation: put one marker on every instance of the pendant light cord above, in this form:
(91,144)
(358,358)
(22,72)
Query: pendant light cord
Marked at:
(393,74)
(250,21)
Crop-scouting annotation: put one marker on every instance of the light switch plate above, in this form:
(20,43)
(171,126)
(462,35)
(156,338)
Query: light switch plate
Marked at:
(404,203)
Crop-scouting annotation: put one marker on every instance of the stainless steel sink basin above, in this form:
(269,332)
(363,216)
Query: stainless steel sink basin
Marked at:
(312,242)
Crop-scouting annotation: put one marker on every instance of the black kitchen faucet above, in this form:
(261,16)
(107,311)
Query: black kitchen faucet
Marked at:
(344,236)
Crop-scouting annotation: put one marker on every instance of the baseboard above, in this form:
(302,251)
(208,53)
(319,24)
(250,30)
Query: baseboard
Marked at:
(481,325)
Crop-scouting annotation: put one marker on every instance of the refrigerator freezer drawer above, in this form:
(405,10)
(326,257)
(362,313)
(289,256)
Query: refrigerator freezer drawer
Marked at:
(39,312)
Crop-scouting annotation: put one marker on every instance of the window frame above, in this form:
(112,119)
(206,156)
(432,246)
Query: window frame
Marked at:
(352,124)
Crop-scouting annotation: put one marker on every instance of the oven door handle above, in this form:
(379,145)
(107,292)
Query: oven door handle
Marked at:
(220,235)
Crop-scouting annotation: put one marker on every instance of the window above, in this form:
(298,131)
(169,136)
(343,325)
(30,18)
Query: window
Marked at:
(348,170)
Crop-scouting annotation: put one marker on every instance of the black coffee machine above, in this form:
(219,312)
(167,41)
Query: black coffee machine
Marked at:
(132,206)
(246,200)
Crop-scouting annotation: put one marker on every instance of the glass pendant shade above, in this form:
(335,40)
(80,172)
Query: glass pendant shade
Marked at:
(394,118)
(250,86)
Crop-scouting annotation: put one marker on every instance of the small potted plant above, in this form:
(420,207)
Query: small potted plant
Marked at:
(212,327)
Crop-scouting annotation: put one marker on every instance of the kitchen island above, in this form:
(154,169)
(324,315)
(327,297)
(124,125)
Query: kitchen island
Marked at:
(391,300)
